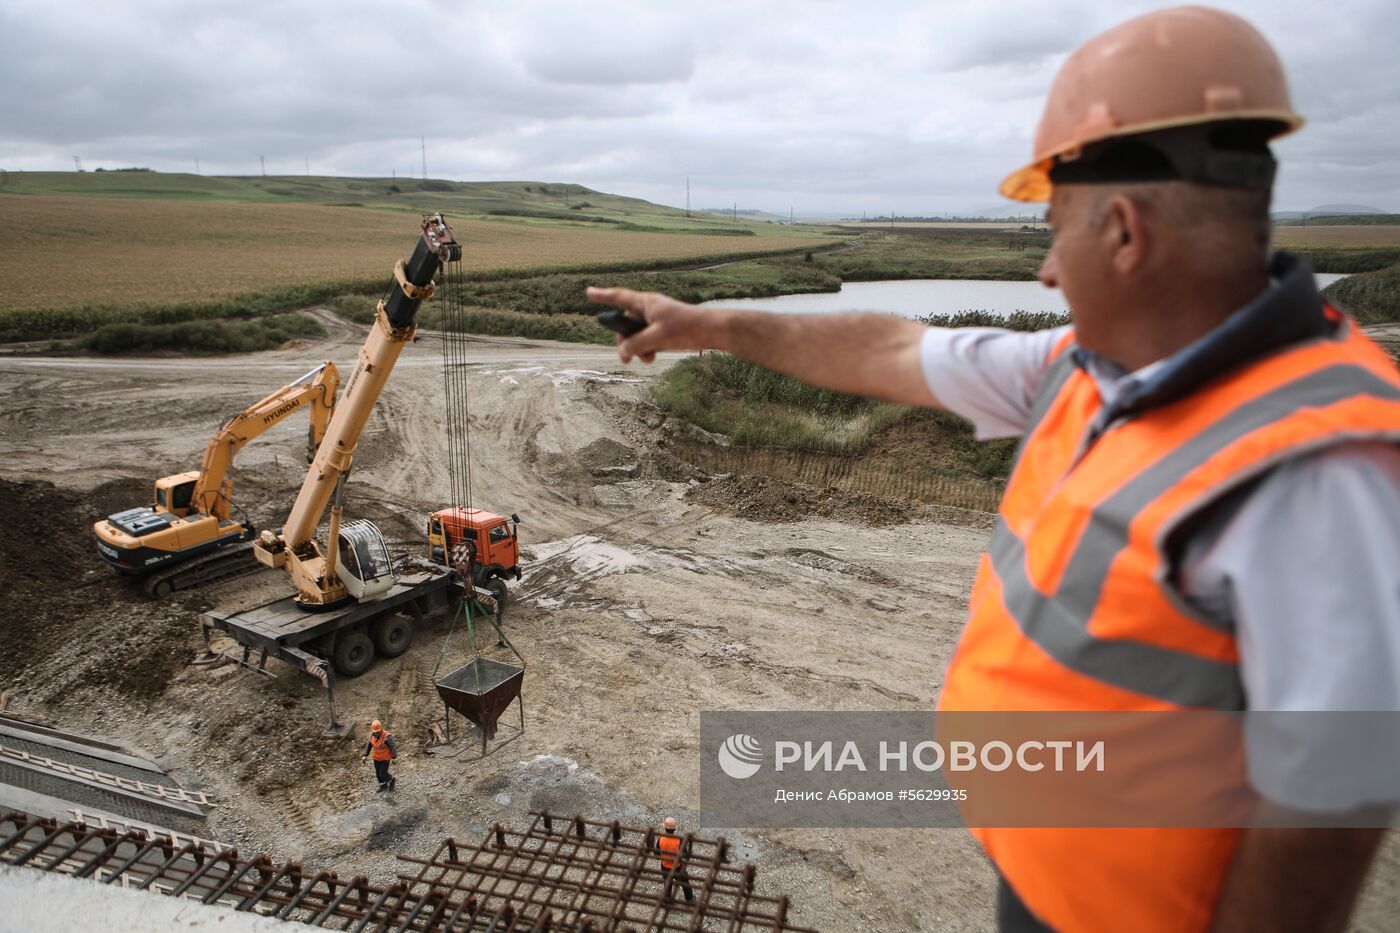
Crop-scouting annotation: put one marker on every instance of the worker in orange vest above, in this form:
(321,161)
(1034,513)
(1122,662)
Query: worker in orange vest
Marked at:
(1205,511)
(668,848)
(382,750)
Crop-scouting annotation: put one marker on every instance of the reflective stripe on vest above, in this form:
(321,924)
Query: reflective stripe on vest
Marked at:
(379,750)
(670,846)
(1074,607)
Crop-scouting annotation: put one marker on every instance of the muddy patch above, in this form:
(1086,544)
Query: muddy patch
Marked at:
(766,499)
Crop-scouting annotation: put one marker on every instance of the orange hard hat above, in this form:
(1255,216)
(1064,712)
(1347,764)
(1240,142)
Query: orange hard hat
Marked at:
(1178,67)
(375,726)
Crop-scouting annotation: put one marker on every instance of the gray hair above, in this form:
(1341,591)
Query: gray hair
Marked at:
(1220,225)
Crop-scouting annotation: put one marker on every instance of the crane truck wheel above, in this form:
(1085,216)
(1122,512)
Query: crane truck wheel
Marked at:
(354,653)
(393,635)
(498,589)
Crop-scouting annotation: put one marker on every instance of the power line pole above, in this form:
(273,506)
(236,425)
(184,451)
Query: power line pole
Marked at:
(308,165)
(424,144)
(687,195)
(77,163)
(262,160)
(736,210)
(196,167)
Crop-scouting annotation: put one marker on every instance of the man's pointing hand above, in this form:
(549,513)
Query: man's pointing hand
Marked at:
(670,324)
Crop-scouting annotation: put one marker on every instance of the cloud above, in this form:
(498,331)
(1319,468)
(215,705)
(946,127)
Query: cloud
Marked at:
(819,105)
(583,44)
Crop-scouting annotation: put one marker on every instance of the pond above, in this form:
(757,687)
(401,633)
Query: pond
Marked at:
(920,297)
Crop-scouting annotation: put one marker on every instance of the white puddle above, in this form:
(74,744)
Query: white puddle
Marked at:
(555,571)
(560,377)
(588,555)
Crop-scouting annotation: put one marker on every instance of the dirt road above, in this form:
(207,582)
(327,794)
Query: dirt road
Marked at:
(640,607)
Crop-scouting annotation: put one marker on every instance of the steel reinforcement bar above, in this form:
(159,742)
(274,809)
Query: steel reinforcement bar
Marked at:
(561,874)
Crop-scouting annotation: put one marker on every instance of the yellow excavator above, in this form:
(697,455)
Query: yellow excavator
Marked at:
(187,535)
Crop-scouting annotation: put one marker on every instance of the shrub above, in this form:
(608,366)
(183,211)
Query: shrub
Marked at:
(1350,261)
(495,322)
(758,407)
(1370,297)
(358,309)
(218,336)
(1016,320)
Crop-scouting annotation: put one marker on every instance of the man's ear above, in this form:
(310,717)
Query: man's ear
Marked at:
(1125,233)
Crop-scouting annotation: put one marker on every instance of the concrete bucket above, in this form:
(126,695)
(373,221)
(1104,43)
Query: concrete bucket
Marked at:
(481,691)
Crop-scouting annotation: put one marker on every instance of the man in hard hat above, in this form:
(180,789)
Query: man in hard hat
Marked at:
(668,849)
(1205,512)
(381,749)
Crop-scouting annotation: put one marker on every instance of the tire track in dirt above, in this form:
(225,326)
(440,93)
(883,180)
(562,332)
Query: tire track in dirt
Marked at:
(294,816)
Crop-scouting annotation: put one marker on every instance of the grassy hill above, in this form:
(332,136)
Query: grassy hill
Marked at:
(526,201)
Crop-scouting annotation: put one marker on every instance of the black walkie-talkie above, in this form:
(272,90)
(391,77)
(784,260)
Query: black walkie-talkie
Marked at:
(621,322)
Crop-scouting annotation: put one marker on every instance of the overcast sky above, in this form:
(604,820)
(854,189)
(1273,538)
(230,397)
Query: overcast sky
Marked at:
(824,107)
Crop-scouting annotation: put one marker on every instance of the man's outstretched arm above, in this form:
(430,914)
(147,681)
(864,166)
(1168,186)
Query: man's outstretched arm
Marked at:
(875,355)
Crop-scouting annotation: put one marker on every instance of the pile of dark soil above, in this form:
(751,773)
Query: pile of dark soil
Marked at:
(73,626)
(604,453)
(765,499)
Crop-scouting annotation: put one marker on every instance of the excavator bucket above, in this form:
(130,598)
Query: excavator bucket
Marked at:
(481,691)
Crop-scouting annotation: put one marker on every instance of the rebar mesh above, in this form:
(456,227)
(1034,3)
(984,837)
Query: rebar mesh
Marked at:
(560,874)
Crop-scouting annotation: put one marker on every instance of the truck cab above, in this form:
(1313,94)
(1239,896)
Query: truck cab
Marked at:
(494,539)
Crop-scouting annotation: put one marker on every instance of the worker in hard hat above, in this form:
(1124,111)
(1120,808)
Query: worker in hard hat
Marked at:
(668,849)
(381,749)
(1205,512)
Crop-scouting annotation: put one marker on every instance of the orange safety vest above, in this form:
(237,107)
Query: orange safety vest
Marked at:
(670,847)
(379,748)
(1073,608)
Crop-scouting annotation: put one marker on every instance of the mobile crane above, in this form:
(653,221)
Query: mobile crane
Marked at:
(350,602)
(186,535)
(323,580)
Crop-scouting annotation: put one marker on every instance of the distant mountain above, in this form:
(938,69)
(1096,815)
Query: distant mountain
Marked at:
(743,214)
(1328,210)
(1345,209)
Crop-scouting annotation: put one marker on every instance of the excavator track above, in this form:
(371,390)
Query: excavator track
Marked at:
(232,561)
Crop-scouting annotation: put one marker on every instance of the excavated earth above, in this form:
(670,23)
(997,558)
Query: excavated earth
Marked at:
(653,590)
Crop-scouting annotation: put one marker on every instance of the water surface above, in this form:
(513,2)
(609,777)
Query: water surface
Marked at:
(921,297)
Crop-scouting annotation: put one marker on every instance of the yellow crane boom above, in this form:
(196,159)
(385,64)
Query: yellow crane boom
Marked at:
(314,571)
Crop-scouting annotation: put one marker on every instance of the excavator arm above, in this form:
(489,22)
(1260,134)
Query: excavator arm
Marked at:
(213,490)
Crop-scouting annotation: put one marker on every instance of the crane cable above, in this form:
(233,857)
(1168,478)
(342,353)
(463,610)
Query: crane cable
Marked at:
(457,416)
(456,424)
